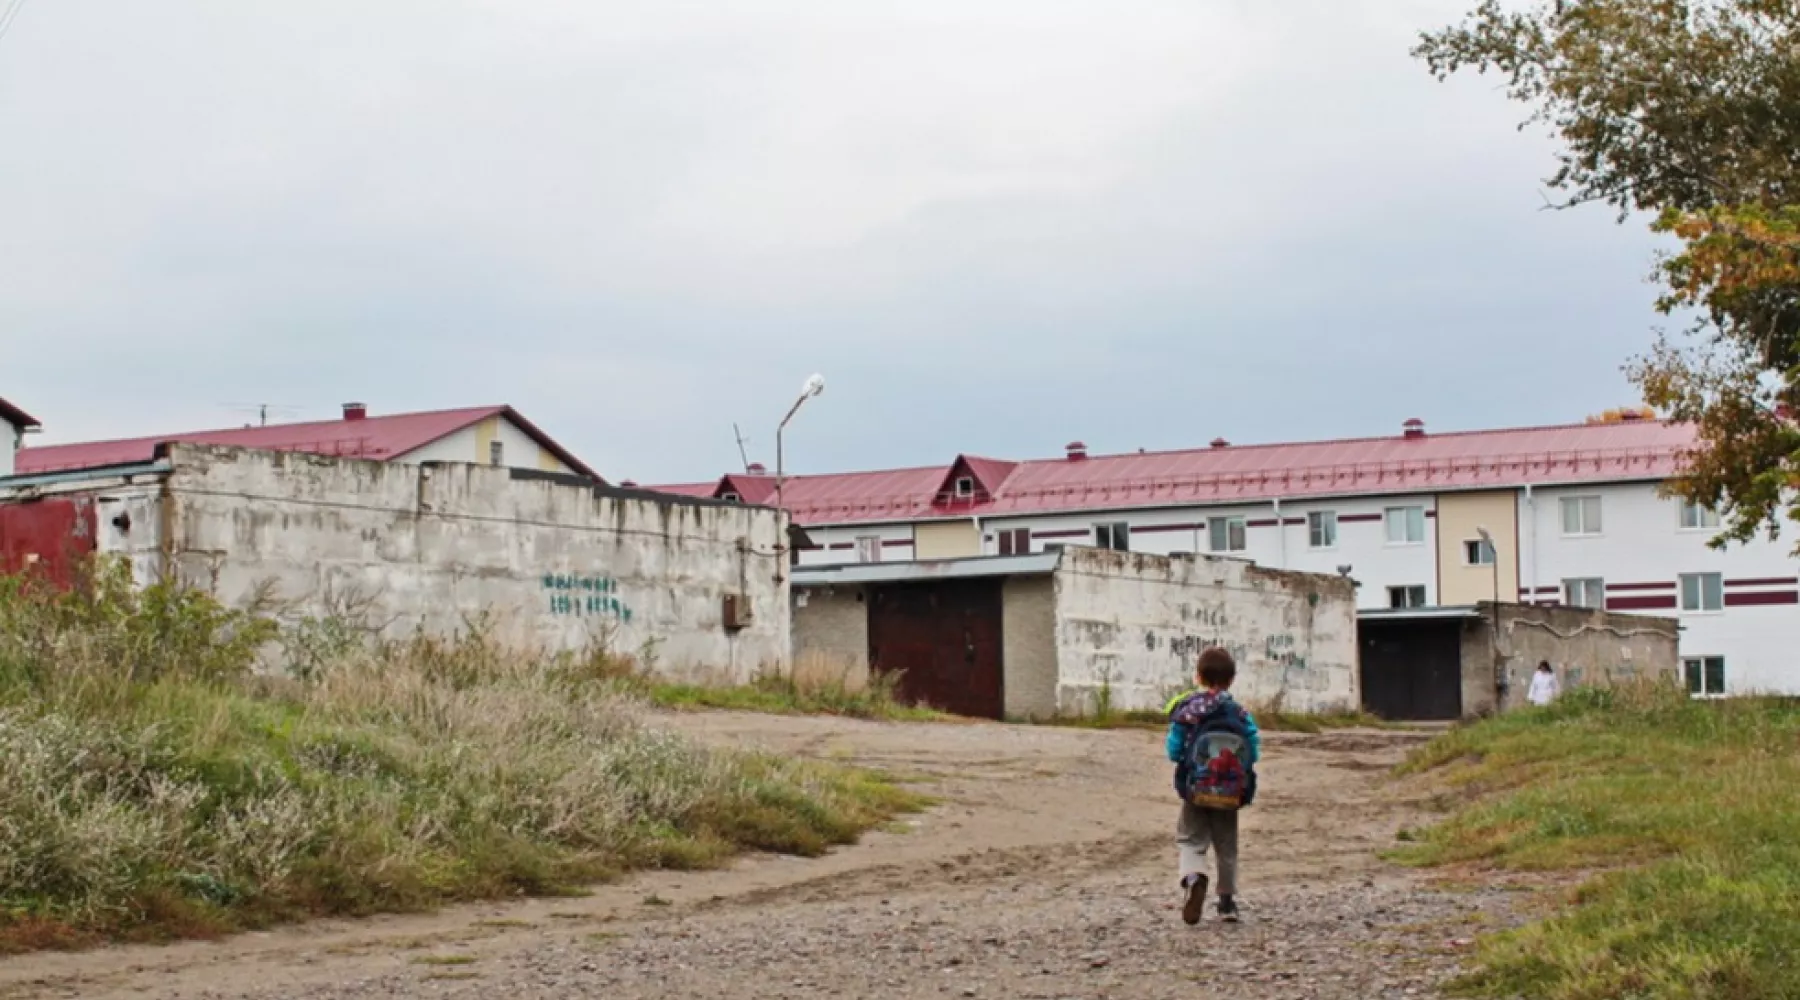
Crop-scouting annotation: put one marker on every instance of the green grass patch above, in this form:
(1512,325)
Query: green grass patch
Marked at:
(154,787)
(1688,807)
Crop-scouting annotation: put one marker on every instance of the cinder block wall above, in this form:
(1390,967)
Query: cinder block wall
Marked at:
(1133,623)
(1585,647)
(833,627)
(1028,641)
(550,563)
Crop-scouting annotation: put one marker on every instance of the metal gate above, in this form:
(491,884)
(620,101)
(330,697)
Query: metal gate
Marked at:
(1412,669)
(945,638)
(47,539)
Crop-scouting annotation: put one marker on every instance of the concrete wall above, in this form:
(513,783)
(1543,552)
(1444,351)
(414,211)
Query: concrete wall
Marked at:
(832,626)
(1135,622)
(1583,647)
(1028,638)
(1459,517)
(551,563)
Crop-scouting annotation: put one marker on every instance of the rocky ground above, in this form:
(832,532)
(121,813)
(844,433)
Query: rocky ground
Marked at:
(1046,872)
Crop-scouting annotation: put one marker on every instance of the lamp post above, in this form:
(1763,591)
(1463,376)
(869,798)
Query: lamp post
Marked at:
(1493,554)
(813,386)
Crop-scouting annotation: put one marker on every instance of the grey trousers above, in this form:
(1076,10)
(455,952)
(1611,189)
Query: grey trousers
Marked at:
(1200,829)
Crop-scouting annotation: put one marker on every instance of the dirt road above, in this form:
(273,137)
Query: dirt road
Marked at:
(1046,872)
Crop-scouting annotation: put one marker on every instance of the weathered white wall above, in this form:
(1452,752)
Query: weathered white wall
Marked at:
(550,563)
(1134,623)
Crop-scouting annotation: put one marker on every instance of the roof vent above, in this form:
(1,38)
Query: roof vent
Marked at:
(1077,451)
(757,469)
(1414,428)
(626,484)
(355,411)
(1220,443)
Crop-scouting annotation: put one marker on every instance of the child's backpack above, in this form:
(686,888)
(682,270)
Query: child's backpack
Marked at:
(1217,776)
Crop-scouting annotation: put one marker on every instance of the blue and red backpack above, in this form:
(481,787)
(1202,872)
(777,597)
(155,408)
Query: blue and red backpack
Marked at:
(1215,770)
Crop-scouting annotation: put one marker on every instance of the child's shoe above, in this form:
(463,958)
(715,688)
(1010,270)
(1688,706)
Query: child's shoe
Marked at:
(1228,910)
(1195,903)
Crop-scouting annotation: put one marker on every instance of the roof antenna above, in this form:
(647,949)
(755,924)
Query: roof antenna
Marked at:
(740,442)
(262,410)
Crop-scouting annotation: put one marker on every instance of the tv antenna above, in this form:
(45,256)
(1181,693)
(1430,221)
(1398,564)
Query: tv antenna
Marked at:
(263,411)
(741,441)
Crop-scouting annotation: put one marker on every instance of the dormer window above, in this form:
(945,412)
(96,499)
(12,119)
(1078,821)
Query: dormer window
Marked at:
(965,486)
(729,497)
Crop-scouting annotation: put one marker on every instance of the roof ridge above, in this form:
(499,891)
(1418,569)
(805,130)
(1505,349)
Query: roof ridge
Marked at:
(173,435)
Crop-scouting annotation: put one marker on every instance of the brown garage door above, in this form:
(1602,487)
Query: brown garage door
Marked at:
(944,637)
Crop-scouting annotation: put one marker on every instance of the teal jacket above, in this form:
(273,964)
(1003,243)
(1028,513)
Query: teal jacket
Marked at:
(1177,739)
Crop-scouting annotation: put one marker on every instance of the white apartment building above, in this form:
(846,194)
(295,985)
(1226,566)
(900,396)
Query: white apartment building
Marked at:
(1566,515)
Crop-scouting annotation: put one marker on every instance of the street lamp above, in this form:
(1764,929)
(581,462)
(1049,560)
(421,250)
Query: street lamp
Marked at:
(813,386)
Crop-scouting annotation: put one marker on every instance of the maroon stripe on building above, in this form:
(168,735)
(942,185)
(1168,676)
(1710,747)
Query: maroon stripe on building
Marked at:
(1548,590)
(1145,529)
(1657,585)
(1067,533)
(1357,518)
(897,543)
(839,546)
(1293,521)
(1640,603)
(1773,581)
(1431,513)
(1762,597)
(1261,523)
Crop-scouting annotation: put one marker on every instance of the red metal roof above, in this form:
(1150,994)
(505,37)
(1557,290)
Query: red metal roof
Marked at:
(1632,450)
(15,416)
(373,437)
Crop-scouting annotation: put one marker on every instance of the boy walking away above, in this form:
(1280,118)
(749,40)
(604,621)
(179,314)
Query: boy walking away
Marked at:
(1214,745)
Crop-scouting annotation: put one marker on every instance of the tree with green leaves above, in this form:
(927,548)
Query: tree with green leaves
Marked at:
(1689,111)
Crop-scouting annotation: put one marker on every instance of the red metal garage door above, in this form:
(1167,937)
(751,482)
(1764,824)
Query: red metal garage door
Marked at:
(48,539)
(945,636)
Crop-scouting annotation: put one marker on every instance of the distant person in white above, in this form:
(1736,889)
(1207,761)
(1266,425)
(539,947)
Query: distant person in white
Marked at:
(1544,687)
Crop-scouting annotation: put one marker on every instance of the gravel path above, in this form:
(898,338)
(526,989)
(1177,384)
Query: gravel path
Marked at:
(1047,872)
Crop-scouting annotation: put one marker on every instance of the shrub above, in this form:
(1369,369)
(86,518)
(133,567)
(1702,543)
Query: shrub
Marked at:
(155,785)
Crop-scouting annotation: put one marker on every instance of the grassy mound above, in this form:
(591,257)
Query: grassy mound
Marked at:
(154,787)
(1688,807)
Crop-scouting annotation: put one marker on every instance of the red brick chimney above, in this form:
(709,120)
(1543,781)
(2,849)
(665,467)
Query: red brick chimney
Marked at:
(355,411)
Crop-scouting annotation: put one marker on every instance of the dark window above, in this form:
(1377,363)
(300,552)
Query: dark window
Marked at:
(1705,675)
(496,453)
(1227,534)
(1477,552)
(965,487)
(1406,597)
(1116,536)
(1015,542)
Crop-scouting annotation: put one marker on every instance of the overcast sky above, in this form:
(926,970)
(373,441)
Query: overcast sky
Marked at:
(994,227)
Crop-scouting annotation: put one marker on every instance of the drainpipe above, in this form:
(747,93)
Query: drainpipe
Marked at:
(1281,532)
(1530,579)
(980,546)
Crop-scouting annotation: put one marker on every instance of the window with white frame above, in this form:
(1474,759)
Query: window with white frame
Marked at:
(1228,534)
(1114,535)
(1705,675)
(868,548)
(1695,517)
(1405,525)
(1477,552)
(1581,515)
(496,453)
(1585,592)
(1321,529)
(1702,592)
(1015,542)
(965,486)
(1412,596)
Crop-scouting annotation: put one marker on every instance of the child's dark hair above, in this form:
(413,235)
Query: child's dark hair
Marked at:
(1217,668)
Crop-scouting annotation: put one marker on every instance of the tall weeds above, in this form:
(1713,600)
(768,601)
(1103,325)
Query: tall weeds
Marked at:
(152,784)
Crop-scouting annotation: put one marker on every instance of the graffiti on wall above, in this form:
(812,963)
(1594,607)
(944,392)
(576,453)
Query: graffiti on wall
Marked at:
(583,595)
(1279,650)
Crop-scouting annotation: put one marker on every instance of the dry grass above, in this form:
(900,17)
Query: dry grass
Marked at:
(153,787)
(816,685)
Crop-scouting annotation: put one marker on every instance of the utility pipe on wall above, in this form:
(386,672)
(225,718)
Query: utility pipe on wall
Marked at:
(1281,533)
(1528,581)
